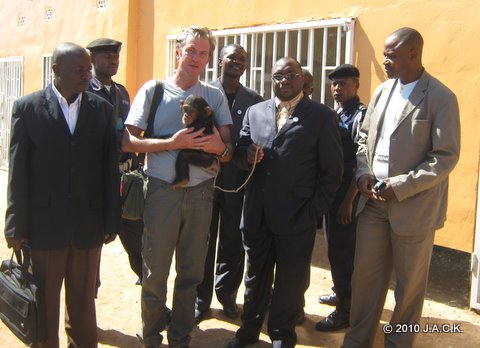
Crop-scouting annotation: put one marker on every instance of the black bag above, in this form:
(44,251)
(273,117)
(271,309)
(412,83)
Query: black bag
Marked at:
(133,190)
(134,183)
(21,305)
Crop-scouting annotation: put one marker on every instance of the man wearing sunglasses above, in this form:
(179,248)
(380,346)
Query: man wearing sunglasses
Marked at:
(294,144)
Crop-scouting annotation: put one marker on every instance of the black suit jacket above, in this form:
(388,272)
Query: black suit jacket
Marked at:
(63,189)
(294,184)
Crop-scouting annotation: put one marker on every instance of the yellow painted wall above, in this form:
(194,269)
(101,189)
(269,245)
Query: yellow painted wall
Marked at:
(74,21)
(450,29)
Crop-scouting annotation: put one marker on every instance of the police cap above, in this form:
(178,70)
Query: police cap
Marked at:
(344,71)
(104,45)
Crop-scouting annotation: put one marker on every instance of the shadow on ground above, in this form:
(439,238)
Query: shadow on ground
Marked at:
(449,279)
(117,339)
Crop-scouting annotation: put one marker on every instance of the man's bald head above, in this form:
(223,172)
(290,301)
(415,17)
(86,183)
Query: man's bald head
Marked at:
(231,48)
(402,53)
(287,78)
(408,37)
(288,61)
(66,49)
(71,66)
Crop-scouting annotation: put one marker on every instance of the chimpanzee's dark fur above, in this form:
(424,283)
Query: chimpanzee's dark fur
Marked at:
(201,117)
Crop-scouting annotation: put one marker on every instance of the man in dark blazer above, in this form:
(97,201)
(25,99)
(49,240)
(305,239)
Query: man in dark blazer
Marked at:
(227,206)
(294,144)
(63,196)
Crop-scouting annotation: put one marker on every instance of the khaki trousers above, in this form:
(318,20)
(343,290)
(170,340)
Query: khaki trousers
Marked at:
(379,250)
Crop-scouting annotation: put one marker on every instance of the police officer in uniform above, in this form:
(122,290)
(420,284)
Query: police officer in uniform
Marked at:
(340,220)
(105,60)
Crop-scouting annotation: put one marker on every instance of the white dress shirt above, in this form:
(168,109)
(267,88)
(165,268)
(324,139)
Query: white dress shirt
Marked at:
(393,110)
(70,111)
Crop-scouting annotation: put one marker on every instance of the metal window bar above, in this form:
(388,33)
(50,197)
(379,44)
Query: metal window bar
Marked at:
(47,70)
(299,45)
(264,57)
(11,88)
(324,62)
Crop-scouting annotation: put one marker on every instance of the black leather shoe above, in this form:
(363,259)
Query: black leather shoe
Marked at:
(200,314)
(335,321)
(230,309)
(330,300)
(300,317)
(236,343)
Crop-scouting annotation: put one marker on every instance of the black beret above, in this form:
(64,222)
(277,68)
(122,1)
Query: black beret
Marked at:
(104,45)
(344,71)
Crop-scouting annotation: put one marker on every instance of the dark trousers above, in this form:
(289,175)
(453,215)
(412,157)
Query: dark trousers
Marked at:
(290,256)
(78,269)
(230,256)
(131,232)
(341,253)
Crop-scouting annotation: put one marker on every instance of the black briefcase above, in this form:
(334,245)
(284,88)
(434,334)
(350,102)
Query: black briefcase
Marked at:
(21,303)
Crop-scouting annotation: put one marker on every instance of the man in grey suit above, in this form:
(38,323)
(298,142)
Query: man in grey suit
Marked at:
(63,196)
(409,143)
(294,144)
(227,206)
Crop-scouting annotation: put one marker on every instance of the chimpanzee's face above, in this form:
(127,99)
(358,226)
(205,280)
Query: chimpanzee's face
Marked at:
(190,114)
(196,112)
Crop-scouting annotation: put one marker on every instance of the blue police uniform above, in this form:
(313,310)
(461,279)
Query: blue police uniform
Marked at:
(341,238)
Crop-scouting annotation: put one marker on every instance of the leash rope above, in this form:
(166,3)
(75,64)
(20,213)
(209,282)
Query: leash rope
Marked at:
(244,183)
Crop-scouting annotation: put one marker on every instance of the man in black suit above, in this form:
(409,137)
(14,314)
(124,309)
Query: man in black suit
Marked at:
(294,144)
(227,206)
(63,196)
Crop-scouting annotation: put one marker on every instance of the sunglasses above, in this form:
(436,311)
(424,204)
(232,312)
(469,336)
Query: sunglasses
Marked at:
(288,77)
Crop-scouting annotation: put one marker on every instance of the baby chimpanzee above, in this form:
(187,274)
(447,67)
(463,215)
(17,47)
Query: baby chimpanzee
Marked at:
(197,114)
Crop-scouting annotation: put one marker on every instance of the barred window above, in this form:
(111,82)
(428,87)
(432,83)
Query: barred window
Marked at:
(319,46)
(11,88)
(46,70)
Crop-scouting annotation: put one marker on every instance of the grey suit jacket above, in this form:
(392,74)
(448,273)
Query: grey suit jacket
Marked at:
(424,149)
(295,183)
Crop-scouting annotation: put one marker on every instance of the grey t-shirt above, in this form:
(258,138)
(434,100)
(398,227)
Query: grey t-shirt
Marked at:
(168,120)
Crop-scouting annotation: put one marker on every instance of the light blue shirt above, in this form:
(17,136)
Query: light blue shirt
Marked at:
(168,121)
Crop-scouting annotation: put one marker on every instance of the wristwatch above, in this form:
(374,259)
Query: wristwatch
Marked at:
(224,153)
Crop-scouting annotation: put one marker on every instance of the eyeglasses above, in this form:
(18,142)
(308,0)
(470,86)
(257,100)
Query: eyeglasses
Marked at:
(281,77)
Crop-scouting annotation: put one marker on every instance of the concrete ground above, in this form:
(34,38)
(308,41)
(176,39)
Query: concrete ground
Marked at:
(118,308)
